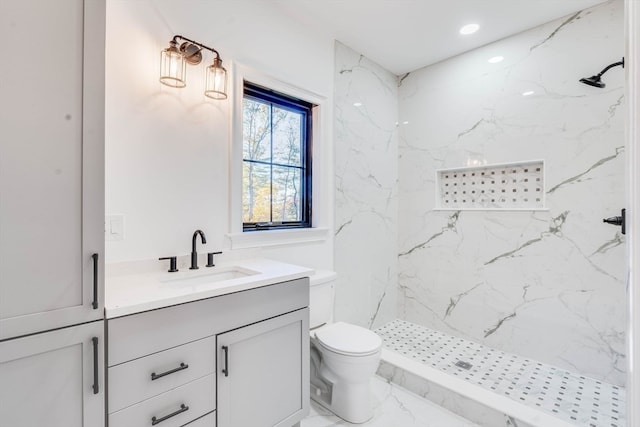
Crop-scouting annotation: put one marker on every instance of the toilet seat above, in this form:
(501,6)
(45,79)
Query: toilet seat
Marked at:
(348,340)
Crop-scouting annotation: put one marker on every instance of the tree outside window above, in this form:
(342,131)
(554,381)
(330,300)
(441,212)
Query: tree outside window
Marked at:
(276,190)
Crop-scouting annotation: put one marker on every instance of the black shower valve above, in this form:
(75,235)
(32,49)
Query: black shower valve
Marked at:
(619,221)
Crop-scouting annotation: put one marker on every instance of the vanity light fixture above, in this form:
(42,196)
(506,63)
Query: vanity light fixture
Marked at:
(172,66)
(173,62)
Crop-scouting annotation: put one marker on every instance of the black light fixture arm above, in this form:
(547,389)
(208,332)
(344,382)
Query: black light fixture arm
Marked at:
(610,66)
(200,45)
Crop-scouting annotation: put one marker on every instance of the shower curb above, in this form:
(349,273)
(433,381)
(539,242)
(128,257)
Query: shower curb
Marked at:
(468,400)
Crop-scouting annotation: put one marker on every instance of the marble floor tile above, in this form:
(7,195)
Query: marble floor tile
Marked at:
(394,407)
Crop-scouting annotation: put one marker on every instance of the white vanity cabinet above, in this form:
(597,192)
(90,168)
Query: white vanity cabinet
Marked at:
(52,213)
(265,333)
(51,164)
(55,379)
(261,372)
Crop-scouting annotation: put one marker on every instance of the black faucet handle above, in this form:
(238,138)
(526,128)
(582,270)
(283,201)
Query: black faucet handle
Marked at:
(210,258)
(172,263)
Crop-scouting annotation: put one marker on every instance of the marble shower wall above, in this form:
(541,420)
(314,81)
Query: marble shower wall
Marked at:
(548,285)
(366,199)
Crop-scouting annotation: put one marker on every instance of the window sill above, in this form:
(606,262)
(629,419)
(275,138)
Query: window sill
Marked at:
(263,238)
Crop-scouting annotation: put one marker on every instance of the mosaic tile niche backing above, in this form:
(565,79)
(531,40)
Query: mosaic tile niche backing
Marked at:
(506,186)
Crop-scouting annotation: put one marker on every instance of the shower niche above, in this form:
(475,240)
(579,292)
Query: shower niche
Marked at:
(506,186)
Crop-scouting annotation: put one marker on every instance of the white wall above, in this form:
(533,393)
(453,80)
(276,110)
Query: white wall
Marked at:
(366,235)
(547,285)
(167,150)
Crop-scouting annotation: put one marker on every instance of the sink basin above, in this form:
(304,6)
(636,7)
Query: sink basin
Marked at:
(201,278)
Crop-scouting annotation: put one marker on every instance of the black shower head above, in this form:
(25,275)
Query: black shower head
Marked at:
(595,81)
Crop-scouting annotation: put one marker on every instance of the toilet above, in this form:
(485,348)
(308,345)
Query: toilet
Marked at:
(344,357)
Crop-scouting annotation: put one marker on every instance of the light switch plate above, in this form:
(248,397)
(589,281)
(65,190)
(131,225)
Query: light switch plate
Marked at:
(113,228)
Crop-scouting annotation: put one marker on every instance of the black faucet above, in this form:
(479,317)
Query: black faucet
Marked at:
(194,254)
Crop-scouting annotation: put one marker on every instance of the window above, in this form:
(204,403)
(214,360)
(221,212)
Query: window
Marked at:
(276,156)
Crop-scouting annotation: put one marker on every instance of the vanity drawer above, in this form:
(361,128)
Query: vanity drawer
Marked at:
(208,420)
(157,373)
(138,335)
(198,396)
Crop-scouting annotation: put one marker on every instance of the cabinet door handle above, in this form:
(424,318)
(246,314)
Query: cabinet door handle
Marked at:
(94,304)
(225,370)
(96,388)
(183,408)
(155,376)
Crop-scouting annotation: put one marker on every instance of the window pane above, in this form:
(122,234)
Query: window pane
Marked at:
(276,144)
(287,194)
(256,130)
(287,137)
(256,193)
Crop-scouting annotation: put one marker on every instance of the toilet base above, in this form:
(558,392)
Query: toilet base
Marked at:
(352,403)
(340,381)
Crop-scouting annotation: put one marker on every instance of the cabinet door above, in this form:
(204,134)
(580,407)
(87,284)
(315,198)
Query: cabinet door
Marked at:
(51,164)
(53,379)
(263,373)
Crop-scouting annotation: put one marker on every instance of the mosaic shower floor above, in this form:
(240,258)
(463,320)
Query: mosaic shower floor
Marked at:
(573,398)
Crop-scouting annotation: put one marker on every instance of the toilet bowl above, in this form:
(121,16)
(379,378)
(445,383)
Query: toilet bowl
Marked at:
(343,356)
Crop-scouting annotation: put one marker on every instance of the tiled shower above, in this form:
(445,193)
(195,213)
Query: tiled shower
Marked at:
(561,393)
(544,282)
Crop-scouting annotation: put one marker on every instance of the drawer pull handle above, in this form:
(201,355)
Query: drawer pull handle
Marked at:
(183,408)
(94,303)
(155,376)
(225,370)
(96,387)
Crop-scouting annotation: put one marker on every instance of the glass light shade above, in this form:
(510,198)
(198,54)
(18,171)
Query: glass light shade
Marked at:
(172,67)
(216,80)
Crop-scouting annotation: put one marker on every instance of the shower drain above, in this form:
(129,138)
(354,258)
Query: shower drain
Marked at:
(464,365)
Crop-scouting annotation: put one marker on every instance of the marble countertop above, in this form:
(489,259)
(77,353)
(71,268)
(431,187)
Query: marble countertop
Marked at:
(134,287)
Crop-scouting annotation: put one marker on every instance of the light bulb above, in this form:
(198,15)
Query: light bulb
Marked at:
(172,67)
(216,80)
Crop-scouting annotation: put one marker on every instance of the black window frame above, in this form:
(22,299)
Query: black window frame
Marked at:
(278,99)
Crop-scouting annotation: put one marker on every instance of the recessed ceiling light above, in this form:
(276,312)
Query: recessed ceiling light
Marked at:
(496,59)
(469,29)
(528,93)
(357,104)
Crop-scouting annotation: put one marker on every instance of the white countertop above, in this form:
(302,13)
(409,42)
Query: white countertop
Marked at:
(129,290)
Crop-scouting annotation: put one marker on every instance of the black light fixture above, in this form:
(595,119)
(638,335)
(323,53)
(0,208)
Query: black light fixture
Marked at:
(595,81)
(173,62)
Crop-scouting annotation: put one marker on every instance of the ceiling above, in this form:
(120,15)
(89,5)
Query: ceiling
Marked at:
(404,35)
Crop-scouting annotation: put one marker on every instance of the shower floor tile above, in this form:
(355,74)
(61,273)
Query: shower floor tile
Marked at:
(571,397)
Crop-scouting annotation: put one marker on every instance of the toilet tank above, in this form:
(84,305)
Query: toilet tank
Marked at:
(321,297)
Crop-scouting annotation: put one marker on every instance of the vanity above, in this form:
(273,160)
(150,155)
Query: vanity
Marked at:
(226,346)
